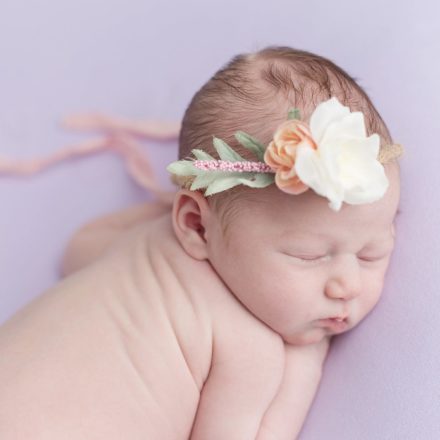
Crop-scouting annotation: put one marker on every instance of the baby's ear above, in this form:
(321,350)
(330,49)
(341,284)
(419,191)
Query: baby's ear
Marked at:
(190,216)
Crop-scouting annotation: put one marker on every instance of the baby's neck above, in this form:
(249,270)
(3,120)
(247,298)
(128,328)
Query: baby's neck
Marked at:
(175,269)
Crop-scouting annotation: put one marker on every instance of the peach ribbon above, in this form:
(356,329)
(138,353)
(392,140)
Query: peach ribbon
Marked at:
(120,136)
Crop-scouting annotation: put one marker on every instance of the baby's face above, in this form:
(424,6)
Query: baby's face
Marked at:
(292,261)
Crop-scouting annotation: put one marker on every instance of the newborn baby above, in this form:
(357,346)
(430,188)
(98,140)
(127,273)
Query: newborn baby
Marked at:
(211,319)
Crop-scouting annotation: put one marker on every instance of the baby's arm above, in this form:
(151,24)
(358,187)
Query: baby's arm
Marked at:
(262,395)
(302,375)
(90,241)
(244,377)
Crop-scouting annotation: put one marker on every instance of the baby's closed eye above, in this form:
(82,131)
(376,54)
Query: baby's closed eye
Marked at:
(314,258)
(373,257)
(309,258)
(374,254)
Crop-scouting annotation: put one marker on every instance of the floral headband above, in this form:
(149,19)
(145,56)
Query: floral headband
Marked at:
(333,156)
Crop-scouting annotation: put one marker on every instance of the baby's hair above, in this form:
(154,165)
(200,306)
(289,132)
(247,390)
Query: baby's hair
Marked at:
(253,93)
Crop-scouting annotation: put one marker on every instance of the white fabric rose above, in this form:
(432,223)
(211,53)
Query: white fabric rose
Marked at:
(344,167)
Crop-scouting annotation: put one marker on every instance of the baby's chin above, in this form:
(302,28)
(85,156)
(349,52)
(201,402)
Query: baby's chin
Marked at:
(307,337)
(312,336)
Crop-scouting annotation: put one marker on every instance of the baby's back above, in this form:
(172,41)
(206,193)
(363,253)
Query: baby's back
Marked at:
(117,350)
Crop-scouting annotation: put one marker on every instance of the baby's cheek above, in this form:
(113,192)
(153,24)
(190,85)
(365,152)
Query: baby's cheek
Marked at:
(371,296)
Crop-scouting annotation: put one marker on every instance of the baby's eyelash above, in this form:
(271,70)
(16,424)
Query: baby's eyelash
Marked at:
(311,259)
(371,259)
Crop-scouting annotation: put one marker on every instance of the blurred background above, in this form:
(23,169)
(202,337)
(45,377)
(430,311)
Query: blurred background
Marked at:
(145,59)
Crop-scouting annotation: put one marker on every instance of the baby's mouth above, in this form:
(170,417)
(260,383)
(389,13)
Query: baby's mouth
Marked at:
(337,323)
(339,318)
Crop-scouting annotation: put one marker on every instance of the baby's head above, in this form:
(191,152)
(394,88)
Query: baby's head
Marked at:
(287,256)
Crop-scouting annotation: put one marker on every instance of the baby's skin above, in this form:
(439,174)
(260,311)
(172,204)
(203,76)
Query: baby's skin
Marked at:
(155,334)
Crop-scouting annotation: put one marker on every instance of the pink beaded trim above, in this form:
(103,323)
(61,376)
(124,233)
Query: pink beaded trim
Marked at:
(226,165)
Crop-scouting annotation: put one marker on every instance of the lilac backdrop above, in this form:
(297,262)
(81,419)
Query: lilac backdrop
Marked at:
(146,59)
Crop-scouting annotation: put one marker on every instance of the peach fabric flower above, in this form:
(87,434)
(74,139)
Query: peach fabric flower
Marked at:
(280,154)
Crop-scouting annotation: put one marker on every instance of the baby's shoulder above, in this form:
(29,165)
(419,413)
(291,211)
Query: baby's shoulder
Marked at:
(201,309)
(161,284)
(203,286)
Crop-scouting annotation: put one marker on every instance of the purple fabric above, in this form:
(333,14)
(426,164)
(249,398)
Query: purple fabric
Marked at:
(146,59)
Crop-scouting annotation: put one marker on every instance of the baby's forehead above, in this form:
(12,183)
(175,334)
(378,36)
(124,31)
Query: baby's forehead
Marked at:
(309,214)
(270,212)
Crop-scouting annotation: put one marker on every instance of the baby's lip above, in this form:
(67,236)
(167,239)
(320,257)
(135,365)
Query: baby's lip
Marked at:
(338,324)
(340,318)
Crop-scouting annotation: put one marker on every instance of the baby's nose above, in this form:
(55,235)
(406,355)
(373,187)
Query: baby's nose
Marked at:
(345,281)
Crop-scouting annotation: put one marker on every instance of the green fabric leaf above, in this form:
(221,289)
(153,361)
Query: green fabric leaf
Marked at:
(225,151)
(222,184)
(294,113)
(183,168)
(205,179)
(253,180)
(202,155)
(251,144)
(259,180)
